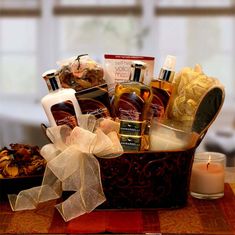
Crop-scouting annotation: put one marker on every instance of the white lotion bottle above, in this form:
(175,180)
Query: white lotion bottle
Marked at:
(60,105)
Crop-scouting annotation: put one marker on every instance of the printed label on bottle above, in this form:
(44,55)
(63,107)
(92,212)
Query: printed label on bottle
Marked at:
(129,114)
(130,107)
(159,102)
(64,114)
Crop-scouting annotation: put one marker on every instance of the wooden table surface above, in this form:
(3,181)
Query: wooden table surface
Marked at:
(198,217)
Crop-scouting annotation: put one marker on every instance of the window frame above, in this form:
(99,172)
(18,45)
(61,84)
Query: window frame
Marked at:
(49,11)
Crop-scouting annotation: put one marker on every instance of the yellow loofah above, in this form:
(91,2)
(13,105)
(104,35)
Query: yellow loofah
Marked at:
(190,86)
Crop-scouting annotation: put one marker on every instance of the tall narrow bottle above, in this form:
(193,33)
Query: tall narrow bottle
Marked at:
(133,98)
(60,105)
(162,87)
(132,102)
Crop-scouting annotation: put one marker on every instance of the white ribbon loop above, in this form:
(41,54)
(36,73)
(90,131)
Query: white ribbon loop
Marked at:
(72,166)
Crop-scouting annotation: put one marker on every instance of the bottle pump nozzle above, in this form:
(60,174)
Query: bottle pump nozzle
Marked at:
(169,63)
(168,70)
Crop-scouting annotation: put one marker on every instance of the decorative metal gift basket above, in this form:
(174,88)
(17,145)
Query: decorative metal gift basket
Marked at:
(86,164)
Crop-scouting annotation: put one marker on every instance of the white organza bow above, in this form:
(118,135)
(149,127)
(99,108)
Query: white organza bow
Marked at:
(72,166)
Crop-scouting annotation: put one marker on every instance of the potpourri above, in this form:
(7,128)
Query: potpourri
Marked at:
(21,160)
(80,73)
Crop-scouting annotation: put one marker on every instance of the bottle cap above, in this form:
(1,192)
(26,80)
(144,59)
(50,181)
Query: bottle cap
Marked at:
(138,64)
(52,80)
(49,74)
(167,71)
(138,69)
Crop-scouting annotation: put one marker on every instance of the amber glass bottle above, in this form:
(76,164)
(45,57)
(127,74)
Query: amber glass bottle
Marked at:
(132,102)
(162,88)
(132,99)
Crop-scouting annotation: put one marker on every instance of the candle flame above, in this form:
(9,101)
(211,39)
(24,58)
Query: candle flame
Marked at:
(209,159)
(208,163)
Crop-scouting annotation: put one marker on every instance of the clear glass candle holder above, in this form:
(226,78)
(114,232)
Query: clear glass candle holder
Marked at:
(207,178)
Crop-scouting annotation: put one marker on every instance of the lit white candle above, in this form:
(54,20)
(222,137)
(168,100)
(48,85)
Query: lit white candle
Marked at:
(208,175)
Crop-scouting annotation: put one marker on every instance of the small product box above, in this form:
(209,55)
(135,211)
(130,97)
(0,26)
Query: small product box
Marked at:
(94,100)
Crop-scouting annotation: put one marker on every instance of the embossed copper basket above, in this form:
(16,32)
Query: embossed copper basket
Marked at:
(158,179)
(147,179)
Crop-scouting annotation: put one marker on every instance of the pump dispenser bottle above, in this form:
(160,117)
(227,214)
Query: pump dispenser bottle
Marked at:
(60,105)
(162,88)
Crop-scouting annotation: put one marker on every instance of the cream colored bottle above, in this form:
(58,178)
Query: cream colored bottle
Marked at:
(60,105)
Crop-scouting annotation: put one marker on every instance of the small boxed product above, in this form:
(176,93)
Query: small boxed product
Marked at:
(118,69)
(95,101)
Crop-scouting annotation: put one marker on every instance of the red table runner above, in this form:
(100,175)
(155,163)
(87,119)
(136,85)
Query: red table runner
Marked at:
(198,217)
